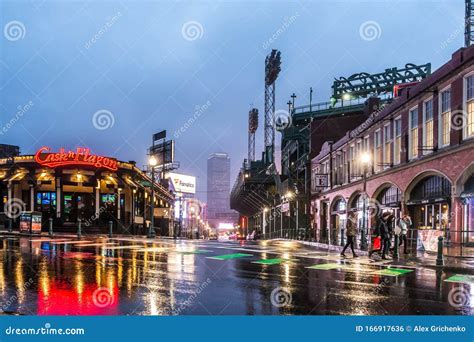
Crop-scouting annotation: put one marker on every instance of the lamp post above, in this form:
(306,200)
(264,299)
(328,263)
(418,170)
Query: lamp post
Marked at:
(151,230)
(365,159)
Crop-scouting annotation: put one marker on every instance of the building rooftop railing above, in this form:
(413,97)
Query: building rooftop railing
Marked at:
(324,106)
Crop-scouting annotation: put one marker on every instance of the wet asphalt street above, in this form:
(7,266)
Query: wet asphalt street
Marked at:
(125,276)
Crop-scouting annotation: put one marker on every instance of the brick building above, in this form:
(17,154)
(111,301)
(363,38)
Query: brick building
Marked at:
(415,154)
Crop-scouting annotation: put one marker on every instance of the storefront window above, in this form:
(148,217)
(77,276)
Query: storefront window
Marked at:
(45,201)
(430,203)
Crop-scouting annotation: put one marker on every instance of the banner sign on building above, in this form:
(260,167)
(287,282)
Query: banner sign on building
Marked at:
(182,183)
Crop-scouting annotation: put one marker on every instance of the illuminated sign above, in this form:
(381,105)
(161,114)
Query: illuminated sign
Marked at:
(81,156)
(183,183)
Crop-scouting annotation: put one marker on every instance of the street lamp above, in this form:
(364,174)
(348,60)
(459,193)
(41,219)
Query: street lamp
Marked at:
(365,160)
(152,163)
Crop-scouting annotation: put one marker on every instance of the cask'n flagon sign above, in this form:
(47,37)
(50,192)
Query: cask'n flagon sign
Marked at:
(81,156)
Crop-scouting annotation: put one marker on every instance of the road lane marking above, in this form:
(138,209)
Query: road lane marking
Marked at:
(325,267)
(230,256)
(461,278)
(392,272)
(275,261)
(197,251)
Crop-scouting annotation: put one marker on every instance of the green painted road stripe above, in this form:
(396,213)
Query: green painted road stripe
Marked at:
(274,261)
(461,278)
(230,256)
(197,251)
(392,272)
(325,267)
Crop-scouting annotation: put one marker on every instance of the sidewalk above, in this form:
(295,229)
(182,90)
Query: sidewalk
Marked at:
(85,235)
(422,259)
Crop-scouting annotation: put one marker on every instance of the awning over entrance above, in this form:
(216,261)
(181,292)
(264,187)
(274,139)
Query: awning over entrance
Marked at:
(17,176)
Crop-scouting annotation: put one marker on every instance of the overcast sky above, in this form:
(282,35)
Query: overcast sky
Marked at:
(108,74)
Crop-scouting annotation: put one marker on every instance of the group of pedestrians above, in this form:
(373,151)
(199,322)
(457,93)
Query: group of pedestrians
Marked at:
(386,227)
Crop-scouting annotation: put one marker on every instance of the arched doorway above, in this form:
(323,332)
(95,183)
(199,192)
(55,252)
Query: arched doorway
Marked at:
(429,203)
(389,199)
(465,191)
(356,204)
(338,220)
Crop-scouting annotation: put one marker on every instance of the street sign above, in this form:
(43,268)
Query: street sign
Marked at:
(320,180)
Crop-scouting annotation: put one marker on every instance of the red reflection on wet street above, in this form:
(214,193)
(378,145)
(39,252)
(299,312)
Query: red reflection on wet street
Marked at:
(62,298)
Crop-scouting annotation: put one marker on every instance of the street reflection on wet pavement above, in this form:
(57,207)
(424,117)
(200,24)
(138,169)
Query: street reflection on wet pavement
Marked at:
(127,276)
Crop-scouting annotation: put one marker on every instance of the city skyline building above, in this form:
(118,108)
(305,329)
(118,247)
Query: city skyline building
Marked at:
(218,189)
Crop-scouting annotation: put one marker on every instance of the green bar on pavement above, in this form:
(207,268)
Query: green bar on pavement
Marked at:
(392,272)
(197,251)
(230,256)
(461,278)
(274,261)
(325,267)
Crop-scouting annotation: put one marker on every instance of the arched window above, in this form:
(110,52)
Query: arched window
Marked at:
(390,196)
(432,187)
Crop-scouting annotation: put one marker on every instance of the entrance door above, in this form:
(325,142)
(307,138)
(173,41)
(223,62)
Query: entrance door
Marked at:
(469,220)
(78,206)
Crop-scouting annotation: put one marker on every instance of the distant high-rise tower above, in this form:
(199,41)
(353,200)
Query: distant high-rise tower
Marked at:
(218,186)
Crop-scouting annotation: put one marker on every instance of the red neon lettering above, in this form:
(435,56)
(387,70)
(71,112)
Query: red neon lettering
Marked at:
(82,156)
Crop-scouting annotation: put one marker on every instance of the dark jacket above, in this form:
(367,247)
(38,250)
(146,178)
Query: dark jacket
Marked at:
(383,230)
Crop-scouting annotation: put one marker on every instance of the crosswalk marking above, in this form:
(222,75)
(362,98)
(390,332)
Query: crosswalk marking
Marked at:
(392,272)
(275,261)
(230,256)
(461,278)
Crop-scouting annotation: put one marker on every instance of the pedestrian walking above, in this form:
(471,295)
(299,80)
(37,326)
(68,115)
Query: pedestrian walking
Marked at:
(376,239)
(351,232)
(404,223)
(385,234)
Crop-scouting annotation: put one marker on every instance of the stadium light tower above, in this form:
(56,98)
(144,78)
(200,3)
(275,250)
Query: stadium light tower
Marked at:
(272,69)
